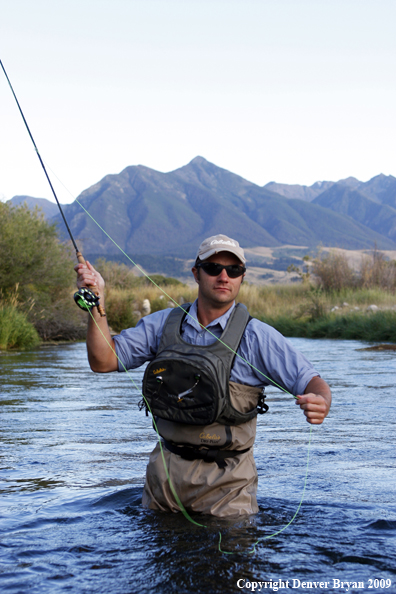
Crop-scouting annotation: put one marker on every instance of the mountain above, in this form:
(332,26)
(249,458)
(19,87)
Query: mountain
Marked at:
(149,212)
(381,188)
(298,192)
(49,208)
(380,218)
(158,215)
(351,182)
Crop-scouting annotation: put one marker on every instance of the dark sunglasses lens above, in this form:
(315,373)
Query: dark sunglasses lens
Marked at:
(213,269)
(234,270)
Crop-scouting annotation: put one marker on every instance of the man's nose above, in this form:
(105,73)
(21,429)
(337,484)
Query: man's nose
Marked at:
(223,275)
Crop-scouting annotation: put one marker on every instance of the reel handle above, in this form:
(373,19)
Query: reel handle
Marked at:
(93,288)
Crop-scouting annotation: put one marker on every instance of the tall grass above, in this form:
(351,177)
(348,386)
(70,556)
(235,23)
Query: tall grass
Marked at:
(309,311)
(15,329)
(272,300)
(124,307)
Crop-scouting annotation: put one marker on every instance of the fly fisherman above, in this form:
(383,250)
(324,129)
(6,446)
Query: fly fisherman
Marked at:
(205,401)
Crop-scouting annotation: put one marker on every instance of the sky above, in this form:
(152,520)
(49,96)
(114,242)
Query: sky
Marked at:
(292,91)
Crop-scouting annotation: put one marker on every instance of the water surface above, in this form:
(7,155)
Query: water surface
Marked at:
(74,448)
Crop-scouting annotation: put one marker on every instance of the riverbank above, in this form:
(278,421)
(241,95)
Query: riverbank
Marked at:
(296,310)
(306,311)
(373,327)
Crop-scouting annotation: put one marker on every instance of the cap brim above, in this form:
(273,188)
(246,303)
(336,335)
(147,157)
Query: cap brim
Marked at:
(210,253)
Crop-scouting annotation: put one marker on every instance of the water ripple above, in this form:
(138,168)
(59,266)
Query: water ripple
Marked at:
(73,457)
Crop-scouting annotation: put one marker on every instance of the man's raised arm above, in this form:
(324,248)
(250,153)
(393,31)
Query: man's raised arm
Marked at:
(100,356)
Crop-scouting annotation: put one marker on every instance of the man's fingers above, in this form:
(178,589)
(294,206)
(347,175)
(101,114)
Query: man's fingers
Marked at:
(313,406)
(86,275)
(315,421)
(314,417)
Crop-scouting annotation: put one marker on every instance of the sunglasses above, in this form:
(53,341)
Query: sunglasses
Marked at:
(213,269)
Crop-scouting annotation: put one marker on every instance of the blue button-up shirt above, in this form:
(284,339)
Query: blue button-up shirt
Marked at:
(264,356)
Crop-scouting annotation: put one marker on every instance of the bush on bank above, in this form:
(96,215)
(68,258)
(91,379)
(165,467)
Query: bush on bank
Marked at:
(334,273)
(377,327)
(32,256)
(36,280)
(15,330)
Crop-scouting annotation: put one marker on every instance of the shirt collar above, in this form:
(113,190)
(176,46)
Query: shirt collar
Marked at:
(192,317)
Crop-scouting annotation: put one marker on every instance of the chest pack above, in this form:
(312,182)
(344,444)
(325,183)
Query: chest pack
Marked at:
(189,383)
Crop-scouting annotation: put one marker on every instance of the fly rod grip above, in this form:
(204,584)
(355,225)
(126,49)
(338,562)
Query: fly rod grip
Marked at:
(93,288)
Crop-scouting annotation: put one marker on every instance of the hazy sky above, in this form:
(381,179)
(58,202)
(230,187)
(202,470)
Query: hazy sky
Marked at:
(292,91)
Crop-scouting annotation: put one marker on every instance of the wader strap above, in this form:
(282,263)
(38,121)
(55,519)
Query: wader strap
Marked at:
(207,455)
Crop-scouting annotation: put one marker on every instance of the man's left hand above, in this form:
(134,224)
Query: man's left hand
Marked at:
(316,401)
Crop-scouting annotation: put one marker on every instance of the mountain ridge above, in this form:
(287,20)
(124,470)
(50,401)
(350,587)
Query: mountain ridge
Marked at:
(154,213)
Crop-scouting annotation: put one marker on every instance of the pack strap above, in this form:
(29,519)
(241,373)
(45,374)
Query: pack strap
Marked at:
(205,454)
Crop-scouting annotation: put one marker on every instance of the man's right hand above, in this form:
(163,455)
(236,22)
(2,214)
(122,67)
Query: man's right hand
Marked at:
(87,276)
(100,344)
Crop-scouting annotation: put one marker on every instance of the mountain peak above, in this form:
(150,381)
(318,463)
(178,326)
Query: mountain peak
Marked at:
(350,181)
(198,161)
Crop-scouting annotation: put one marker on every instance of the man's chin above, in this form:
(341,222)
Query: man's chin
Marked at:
(223,297)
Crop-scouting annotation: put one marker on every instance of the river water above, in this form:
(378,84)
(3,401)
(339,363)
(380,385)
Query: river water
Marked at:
(74,447)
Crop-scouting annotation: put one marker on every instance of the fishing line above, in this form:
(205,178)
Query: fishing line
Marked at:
(290,522)
(172,488)
(89,303)
(182,508)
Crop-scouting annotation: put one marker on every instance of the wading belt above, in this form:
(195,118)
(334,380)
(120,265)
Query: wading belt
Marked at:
(205,454)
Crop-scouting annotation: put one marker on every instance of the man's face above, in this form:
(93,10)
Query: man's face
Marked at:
(218,291)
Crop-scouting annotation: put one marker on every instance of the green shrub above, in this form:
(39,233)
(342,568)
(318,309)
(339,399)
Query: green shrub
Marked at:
(15,330)
(377,327)
(41,268)
(31,254)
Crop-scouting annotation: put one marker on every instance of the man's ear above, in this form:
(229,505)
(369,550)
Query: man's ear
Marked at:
(195,272)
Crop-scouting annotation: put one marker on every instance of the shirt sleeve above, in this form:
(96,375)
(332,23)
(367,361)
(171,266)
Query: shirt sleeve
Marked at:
(138,345)
(273,359)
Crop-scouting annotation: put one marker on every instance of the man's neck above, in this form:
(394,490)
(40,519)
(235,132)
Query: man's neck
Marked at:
(206,315)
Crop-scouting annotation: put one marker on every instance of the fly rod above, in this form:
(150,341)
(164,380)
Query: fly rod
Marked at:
(86,298)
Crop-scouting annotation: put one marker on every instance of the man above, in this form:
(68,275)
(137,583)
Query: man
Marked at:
(211,465)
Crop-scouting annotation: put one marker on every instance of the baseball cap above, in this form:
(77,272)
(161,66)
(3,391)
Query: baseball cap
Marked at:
(220,243)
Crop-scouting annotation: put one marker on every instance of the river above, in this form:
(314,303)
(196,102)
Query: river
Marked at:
(74,447)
